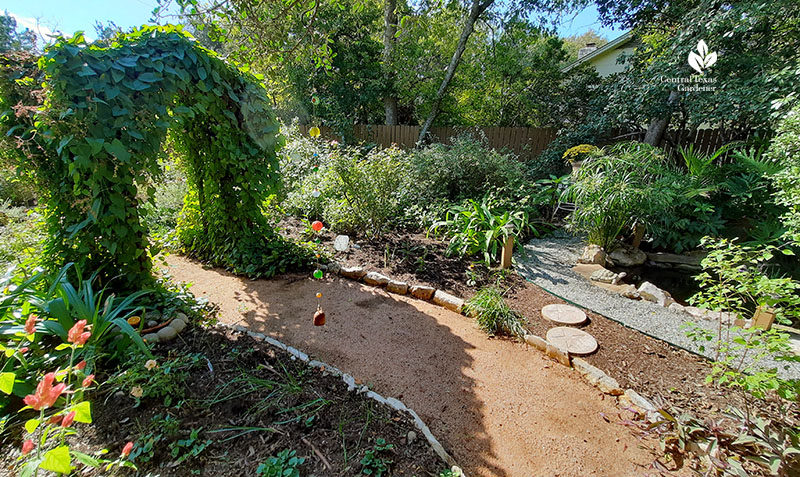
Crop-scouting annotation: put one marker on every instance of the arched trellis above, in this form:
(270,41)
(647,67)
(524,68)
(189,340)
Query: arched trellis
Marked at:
(105,117)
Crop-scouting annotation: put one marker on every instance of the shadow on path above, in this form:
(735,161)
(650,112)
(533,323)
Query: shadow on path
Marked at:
(498,408)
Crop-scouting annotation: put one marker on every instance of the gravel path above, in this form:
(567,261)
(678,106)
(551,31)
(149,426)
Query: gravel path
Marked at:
(548,263)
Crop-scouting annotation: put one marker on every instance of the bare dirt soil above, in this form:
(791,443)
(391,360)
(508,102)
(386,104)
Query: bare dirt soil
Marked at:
(499,407)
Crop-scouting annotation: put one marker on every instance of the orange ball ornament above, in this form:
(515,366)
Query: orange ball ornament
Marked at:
(317,225)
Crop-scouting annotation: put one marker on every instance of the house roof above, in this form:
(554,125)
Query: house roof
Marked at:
(610,46)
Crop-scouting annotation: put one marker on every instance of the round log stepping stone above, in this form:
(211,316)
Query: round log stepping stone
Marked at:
(573,340)
(564,314)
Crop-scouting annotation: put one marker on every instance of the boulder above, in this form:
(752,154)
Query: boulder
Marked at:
(627,256)
(334,267)
(376,279)
(422,291)
(652,293)
(677,307)
(593,254)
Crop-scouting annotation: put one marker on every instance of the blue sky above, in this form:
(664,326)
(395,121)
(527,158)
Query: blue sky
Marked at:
(69,16)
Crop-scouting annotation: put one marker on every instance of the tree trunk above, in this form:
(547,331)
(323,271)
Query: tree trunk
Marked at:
(475,12)
(658,126)
(389,33)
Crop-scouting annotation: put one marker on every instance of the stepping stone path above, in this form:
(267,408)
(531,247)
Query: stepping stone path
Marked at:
(573,340)
(564,314)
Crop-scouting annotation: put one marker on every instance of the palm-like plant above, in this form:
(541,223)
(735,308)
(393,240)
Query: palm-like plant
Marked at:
(615,188)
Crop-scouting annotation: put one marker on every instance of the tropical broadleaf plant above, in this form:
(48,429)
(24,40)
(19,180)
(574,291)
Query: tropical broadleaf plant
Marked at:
(480,228)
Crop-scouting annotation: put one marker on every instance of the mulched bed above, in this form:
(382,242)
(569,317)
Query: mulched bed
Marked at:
(312,413)
(407,256)
(649,366)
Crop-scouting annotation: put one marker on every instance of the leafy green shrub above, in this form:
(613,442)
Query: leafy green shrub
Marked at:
(785,149)
(617,187)
(285,464)
(60,302)
(493,314)
(714,199)
(733,281)
(467,169)
(481,228)
(354,193)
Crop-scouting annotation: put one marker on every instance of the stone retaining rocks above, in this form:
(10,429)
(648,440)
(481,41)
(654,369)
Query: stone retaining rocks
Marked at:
(448,301)
(557,353)
(356,273)
(376,279)
(422,291)
(166,333)
(537,342)
(394,286)
(597,378)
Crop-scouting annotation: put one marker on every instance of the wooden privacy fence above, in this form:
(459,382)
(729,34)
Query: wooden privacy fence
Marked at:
(525,142)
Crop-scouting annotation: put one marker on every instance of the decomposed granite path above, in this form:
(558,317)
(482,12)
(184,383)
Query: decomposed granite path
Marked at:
(499,407)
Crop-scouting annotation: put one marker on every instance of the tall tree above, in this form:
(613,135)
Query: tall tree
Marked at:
(13,40)
(389,34)
(477,8)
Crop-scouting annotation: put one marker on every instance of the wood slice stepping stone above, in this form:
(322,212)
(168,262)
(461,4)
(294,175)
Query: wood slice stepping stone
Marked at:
(564,314)
(573,340)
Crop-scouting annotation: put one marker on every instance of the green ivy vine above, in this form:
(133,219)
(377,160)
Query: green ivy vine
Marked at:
(105,114)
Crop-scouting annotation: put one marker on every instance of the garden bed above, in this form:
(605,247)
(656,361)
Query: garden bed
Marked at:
(251,401)
(406,256)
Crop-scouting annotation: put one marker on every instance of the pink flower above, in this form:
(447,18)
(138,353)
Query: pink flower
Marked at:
(87,381)
(81,366)
(77,335)
(55,419)
(30,325)
(68,419)
(27,447)
(46,394)
(126,451)
(23,350)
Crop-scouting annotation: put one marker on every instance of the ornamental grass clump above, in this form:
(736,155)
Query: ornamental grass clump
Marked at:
(493,314)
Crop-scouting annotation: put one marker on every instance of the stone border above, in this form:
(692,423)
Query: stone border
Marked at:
(628,399)
(394,403)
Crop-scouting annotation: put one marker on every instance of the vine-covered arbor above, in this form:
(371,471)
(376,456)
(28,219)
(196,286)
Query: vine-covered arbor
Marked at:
(94,143)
